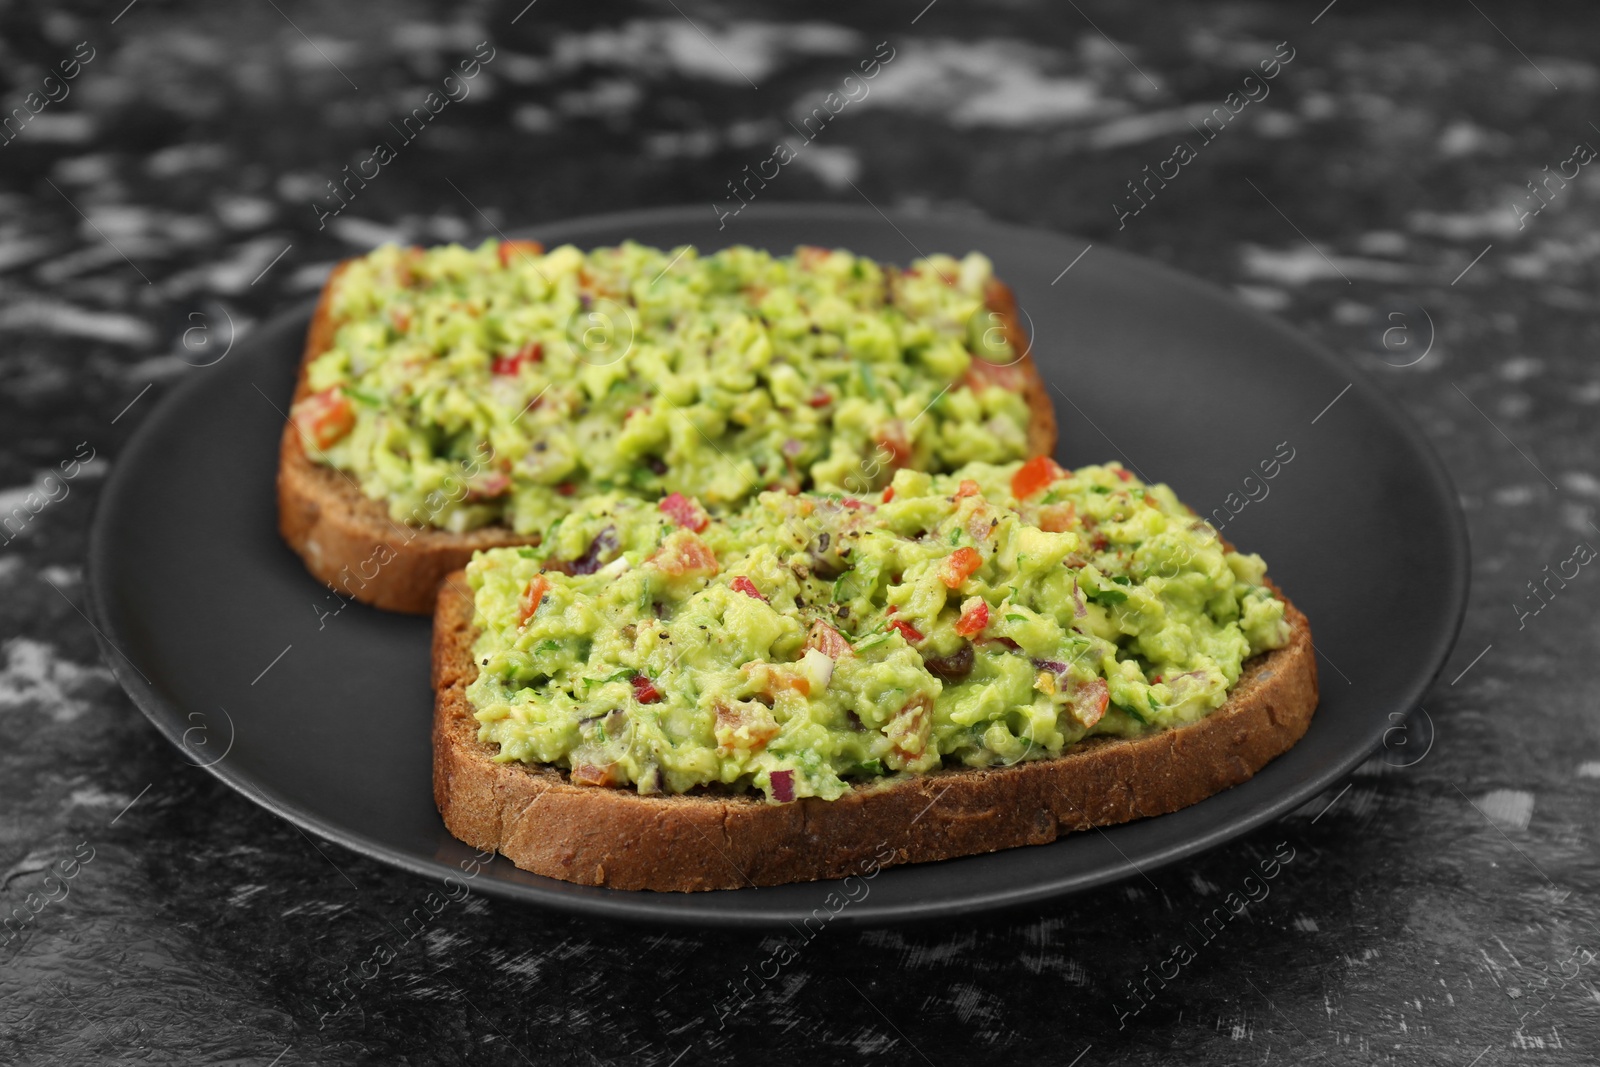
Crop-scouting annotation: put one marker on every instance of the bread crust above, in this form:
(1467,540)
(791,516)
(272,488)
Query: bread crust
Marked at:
(349,542)
(592,835)
(346,538)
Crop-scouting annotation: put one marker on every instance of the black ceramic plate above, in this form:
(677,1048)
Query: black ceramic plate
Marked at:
(227,644)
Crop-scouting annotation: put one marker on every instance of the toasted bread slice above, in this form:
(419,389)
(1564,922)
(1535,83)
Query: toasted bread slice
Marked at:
(594,835)
(349,541)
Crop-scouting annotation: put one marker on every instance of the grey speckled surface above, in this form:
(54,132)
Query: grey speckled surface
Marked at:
(1442,910)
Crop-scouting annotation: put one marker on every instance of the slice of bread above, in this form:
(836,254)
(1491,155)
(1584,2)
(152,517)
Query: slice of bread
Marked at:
(349,541)
(596,835)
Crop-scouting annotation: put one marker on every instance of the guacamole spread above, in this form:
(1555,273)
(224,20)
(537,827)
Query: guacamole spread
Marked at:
(501,384)
(806,642)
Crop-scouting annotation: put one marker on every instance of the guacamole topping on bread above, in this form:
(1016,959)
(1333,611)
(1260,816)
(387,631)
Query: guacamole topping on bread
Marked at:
(807,642)
(505,384)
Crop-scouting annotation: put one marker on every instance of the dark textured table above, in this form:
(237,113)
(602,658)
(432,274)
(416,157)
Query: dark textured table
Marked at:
(1411,186)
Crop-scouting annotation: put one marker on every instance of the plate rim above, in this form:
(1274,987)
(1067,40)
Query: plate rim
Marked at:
(680,909)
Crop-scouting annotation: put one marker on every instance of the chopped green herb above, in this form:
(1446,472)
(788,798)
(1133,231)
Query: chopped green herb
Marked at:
(1132,713)
(620,676)
(868,382)
(372,400)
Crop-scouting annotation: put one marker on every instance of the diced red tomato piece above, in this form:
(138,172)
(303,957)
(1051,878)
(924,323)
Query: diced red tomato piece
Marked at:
(589,774)
(737,728)
(893,439)
(968,487)
(782,783)
(566,488)
(910,728)
(1055,518)
(852,503)
(959,565)
(828,641)
(907,631)
(1034,476)
(981,374)
(812,256)
(1123,473)
(532,352)
(509,251)
(488,485)
(685,512)
(644,690)
(744,585)
(325,417)
(1091,701)
(820,399)
(888,494)
(531,597)
(401,318)
(974,618)
(684,553)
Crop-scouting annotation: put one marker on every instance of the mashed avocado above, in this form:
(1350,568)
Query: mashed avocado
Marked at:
(992,615)
(502,384)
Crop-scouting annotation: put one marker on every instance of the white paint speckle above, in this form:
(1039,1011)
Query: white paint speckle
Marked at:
(1383,243)
(834,165)
(1265,297)
(439,942)
(61,576)
(68,320)
(1589,769)
(35,676)
(1581,482)
(1509,809)
(1514,496)
(992,83)
(90,797)
(242,894)
(1306,924)
(1521,368)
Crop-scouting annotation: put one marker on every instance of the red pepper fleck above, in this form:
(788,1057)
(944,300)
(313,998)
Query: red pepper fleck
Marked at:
(1033,476)
(531,597)
(566,488)
(685,512)
(744,585)
(326,417)
(509,250)
(1122,473)
(974,620)
(888,494)
(820,399)
(532,352)
(907,631)
(959,565)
